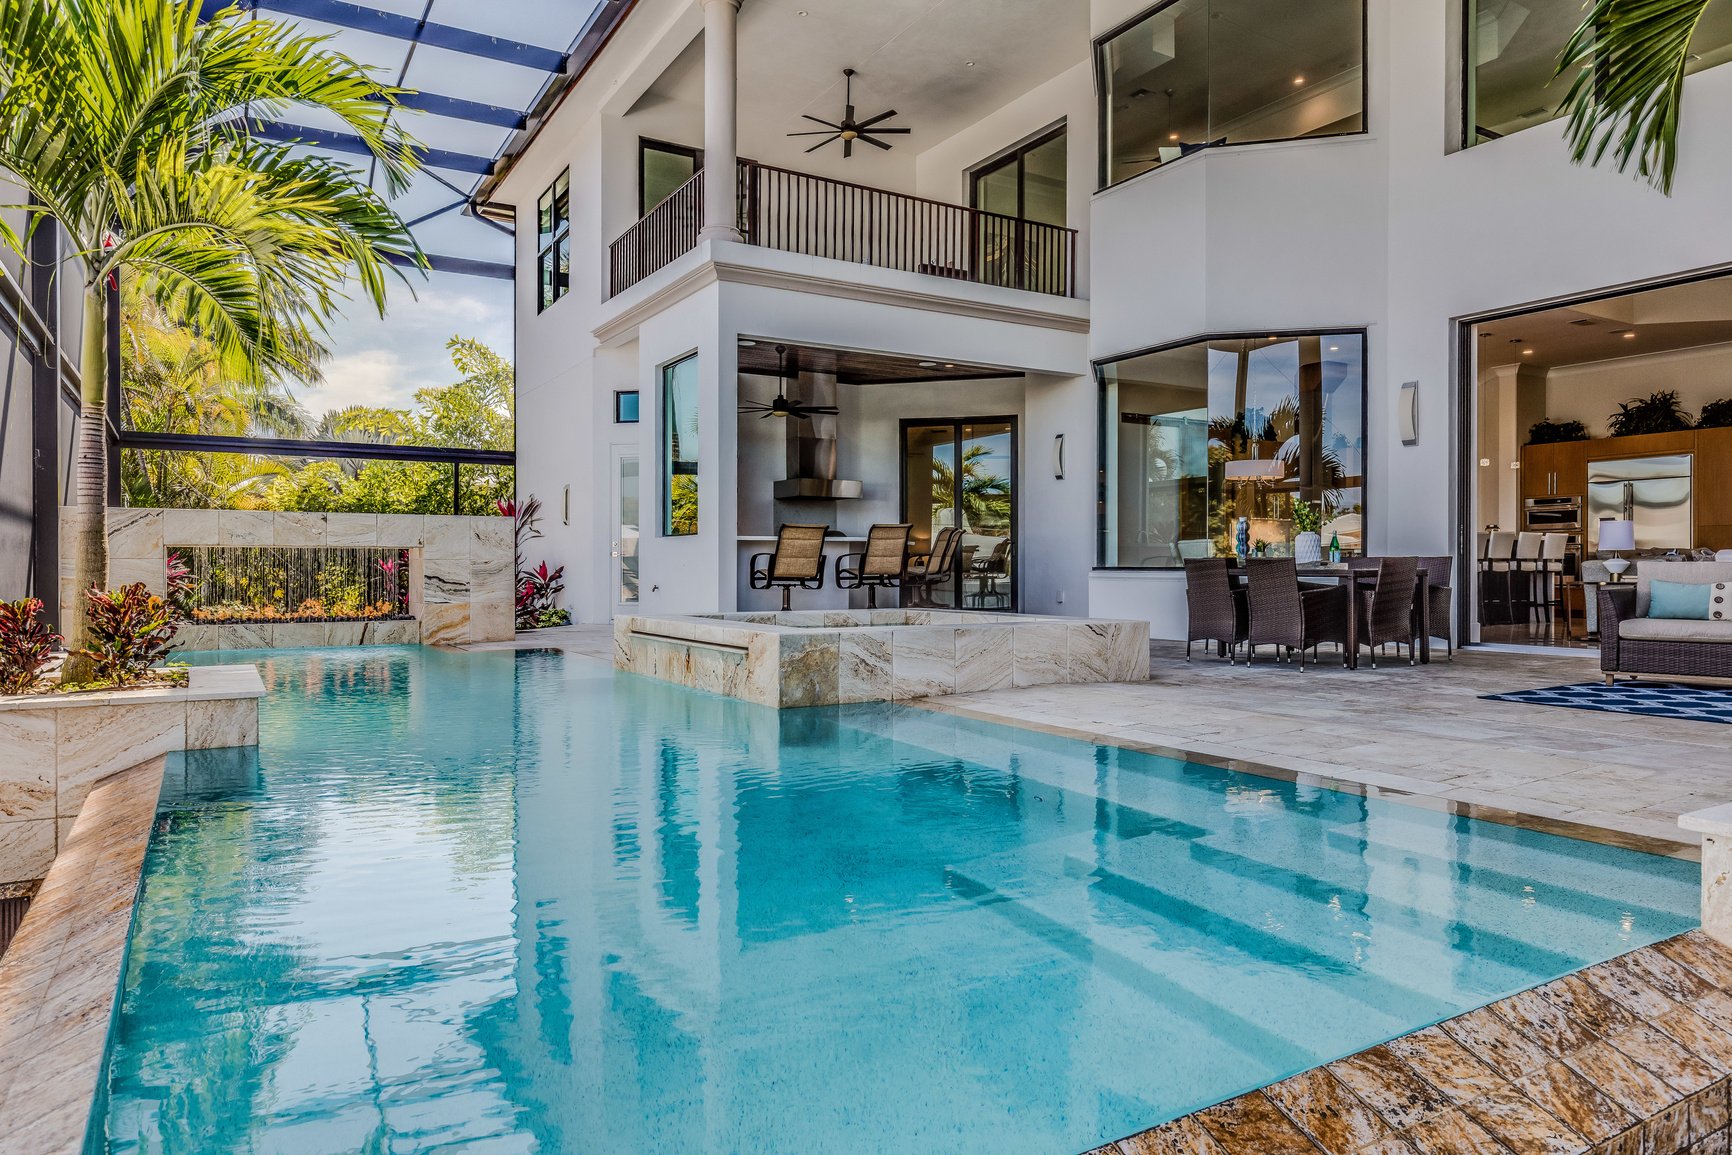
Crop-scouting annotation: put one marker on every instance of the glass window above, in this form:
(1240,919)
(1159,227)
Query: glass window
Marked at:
(661,170)
(1513,49)
(1197,436)
(680,447)
(625,407)
(1195,74)
(553,242)
(1022,245)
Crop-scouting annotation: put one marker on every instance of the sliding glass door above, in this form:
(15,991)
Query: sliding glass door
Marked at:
(961,473)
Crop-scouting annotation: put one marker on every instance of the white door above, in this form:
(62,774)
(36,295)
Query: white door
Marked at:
(623,562)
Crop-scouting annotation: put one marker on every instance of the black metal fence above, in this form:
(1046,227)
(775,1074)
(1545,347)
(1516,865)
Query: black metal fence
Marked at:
(294,583)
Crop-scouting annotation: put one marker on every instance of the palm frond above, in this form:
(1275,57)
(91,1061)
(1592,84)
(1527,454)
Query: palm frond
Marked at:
(1630,58)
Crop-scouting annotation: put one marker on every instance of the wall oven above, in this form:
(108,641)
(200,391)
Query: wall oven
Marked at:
(1552,514)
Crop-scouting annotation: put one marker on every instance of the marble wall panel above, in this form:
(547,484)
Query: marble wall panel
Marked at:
(1039,654)
(135,533)
(809,666)
(446,538)
(403,530)
(865,669)
(26,764)
(985,659)
(923,664)
(27,848)
(244,527)
(222,723)
(492,619)
(445,624)
(353,529)
(299,635)
(93,742)
(396,633)
(444,581)
(188,527)
(299,528)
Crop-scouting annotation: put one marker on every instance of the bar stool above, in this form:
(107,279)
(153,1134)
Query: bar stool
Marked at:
(1554,548)
(1525,575)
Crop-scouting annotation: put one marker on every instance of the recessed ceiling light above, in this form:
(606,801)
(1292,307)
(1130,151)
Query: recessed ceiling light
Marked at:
(968,64)
(950,364)
(1629,334)
(1335,348)
(1298,80)
(747,344)
(802,12)
(1527,352)
(1172,136)
(929,364)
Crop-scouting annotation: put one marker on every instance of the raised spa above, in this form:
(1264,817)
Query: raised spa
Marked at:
(823,658)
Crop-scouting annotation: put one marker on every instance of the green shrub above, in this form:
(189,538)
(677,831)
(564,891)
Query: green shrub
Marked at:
(1551,432)
(1659,412)
(1716,414)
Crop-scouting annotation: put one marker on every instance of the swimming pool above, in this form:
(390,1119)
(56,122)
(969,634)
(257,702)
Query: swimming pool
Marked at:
(499,902)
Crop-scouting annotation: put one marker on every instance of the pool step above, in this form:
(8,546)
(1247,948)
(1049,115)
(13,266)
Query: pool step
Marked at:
(1263,998)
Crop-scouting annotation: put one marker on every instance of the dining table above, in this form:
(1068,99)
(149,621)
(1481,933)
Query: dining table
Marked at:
(1358,581)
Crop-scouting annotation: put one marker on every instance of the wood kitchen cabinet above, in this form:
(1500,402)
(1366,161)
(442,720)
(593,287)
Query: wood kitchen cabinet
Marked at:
(1713,488)
(1556,470)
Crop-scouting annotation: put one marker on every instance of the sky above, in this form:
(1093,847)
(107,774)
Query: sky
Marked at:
(383,362)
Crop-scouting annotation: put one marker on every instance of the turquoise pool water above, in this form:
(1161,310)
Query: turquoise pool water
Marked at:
(509,903)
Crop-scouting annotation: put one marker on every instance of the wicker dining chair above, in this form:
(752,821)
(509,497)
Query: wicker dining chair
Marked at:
(1217,611)
(1386,610)
(879,566)
(1442,603)
(797,562)
(1289,616)
(934,568)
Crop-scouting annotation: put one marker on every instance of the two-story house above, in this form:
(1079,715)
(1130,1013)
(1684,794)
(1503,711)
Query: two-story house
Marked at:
(1119,276)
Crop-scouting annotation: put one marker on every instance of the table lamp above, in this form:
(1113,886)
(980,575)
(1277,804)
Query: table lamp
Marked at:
(1617,535)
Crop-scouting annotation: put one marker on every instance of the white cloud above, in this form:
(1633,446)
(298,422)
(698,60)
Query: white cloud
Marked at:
(382,362)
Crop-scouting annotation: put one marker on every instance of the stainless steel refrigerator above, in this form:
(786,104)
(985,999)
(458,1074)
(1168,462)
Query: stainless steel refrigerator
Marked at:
(1653,492)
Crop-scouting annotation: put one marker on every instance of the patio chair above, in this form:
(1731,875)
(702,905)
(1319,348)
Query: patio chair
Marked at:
(798,562)
(1217,610)
(989,571)
(1291,617)
(1386,611)
(880,566)
(1442,605)
(934,568)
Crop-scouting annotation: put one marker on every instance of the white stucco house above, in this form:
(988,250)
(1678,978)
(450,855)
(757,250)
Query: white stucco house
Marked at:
(1132,271)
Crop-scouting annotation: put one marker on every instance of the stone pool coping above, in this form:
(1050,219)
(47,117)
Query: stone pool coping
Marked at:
(1632,1056)
(60,978)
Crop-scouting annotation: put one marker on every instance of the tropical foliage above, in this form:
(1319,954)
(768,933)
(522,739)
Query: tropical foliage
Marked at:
(172,380)
(985,495)
(26,644)
(538,589)
(128,124)
(130,630)
(1630,58)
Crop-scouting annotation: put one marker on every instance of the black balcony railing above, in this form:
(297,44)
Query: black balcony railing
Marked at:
(822,217)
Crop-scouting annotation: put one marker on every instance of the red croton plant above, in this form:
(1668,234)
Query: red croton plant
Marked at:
(26,645)
(538,589)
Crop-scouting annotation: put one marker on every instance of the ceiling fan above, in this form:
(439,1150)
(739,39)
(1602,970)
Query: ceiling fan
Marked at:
(851,130)
(781,406)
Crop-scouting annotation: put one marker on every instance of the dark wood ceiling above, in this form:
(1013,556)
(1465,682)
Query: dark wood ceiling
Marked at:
(855,368)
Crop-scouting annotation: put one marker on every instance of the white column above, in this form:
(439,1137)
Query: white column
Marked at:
(721,127)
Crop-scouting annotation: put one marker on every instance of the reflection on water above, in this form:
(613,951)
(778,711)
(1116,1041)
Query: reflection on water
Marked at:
(498,902)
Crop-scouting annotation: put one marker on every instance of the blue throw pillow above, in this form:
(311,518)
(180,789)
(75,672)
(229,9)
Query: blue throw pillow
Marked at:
(1678,600)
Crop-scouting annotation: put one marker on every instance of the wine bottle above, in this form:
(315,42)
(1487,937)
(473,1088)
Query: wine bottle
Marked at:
(1334,549)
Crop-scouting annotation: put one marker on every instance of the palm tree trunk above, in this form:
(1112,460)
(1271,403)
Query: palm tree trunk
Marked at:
(90,480)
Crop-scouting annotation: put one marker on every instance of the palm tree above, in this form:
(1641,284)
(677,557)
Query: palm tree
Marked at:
(128,124)
(1630,58)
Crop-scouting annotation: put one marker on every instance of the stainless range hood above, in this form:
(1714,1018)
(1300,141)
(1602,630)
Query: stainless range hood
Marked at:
(812,448)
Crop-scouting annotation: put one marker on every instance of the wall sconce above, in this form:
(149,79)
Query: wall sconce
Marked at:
(1409,410)
(565,515)
(1058,457)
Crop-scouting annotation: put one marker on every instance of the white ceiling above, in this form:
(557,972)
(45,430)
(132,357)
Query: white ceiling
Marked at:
(910,55)
(1656,321)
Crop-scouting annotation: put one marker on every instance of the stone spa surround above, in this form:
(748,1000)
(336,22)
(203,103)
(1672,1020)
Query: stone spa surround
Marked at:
(825,658)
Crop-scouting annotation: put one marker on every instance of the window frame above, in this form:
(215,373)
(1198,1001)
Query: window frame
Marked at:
(1017,154)
(620,395)
(1097,57)
(559,234)
(1097,367)
(644,145)
(664,375)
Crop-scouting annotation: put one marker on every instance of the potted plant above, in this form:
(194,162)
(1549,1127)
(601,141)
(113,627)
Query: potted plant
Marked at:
(1308,520)
(1659,412)
(1548,432)
(1716,414)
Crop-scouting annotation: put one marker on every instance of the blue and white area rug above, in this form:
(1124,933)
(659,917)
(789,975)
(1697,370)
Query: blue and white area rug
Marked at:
(1696,703)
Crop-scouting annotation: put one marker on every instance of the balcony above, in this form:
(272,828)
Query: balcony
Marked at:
(820,217)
